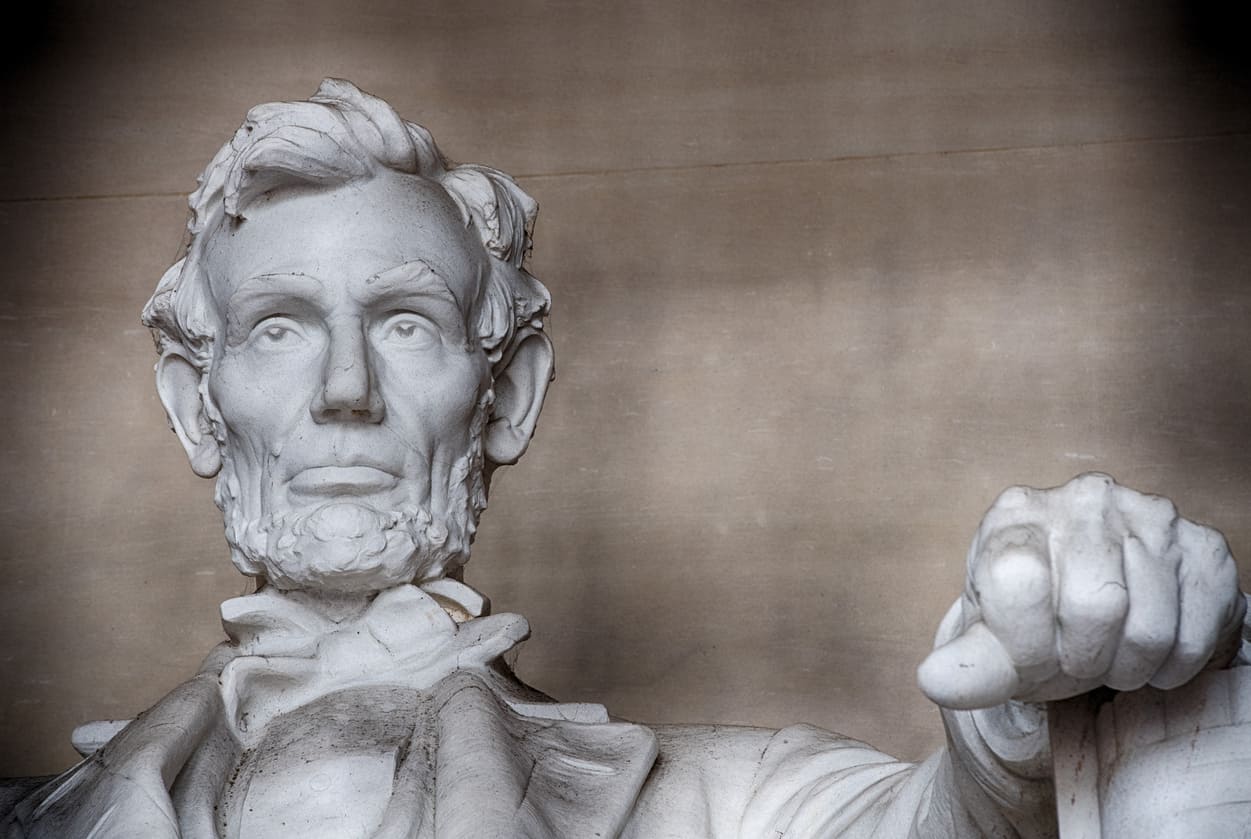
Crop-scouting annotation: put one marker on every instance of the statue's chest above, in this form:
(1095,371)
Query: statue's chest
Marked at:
(329,770)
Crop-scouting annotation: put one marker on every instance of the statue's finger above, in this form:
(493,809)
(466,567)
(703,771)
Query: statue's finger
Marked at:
(1151,518)
(1093,599)
(972,671)
(1012,585)
(1151,623)
(1208,603)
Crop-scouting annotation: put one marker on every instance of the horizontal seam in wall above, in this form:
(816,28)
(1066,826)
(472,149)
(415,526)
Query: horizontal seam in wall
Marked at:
(857,158)
(850,158)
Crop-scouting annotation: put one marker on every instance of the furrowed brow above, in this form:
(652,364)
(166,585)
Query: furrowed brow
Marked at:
(265,294)
(413,283)
(414,277)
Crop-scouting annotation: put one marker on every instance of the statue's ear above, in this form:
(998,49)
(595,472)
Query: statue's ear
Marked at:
(520,386)
(178,383)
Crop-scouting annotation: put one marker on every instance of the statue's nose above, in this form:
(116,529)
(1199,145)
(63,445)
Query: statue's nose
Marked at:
(348,392)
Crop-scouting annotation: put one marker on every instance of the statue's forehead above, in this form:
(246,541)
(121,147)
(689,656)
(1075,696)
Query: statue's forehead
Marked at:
(348,233)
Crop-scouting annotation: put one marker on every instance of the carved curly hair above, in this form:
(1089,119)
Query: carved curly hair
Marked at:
(339,135)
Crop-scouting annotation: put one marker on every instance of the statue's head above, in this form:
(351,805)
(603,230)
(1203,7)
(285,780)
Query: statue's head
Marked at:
(351,343)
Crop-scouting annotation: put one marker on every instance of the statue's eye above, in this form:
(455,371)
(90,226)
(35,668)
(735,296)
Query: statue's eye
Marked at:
(407,329)
(276,333)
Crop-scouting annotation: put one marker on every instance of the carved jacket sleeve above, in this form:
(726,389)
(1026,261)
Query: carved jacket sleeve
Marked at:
(811,783)
(121,791)
(806,783)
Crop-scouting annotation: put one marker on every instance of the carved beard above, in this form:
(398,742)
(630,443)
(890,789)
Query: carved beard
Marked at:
(350,546)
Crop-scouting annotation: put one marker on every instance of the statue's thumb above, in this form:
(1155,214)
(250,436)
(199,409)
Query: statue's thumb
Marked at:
(971,671)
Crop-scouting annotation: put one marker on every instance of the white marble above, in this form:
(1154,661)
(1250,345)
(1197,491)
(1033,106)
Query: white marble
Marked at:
(352,346)
(1086,585)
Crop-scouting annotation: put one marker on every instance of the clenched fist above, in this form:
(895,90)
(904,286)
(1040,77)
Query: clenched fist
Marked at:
(1080,586)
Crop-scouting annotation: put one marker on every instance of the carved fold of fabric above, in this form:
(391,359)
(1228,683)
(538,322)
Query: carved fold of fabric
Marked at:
(496,760)
(811,783)
(120,792)
(502,775)
(290,655)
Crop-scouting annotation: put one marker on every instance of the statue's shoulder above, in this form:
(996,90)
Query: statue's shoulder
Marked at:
(120,789)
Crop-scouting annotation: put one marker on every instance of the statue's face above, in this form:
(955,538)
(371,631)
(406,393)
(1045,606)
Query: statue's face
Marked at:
(347,385)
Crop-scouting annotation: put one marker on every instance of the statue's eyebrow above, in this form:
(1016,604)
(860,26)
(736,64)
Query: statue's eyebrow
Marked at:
(280,282)
(414,278)
(416,285)
(271,290)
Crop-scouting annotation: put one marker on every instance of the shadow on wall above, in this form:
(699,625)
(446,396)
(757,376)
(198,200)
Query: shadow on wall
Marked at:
(1201,350)
(1216,31)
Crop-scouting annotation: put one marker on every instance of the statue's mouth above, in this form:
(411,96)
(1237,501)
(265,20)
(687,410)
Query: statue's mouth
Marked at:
(333,481)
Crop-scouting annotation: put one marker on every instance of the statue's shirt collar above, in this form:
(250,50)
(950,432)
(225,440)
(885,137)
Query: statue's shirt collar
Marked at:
(287,653)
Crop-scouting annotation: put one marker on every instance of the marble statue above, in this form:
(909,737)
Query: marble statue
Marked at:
(351,346)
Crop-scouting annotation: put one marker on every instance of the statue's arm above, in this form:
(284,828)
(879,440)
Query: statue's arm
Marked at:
(1087,585)
(1084,586)
(725,782)
(812,783)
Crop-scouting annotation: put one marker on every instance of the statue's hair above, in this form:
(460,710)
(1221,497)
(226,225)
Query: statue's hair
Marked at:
(340,135)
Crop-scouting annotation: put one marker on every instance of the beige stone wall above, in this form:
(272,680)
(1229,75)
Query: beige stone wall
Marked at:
(828,276)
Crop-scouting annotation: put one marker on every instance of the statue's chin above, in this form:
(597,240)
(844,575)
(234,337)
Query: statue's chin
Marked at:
(345,546)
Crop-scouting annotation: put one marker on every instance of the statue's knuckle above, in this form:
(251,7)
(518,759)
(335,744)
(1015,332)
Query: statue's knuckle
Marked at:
(1103,603)
(1085,498)
(1221,568)
(1153,517)
(1094,484)
(1013,500)
(1220,554)
(1202,545)
(1166,512)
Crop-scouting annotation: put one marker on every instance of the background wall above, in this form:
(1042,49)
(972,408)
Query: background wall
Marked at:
(828,276)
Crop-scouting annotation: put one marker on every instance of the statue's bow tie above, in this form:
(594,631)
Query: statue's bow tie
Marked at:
(288,654)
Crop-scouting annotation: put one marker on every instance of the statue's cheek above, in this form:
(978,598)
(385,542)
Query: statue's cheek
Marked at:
(243,384)
(439,386)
